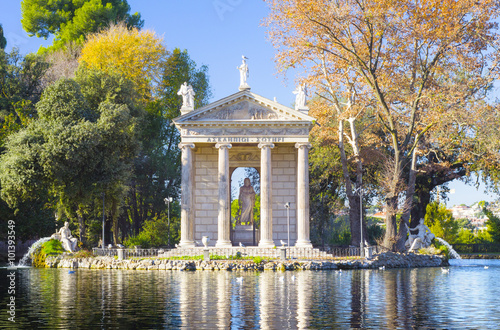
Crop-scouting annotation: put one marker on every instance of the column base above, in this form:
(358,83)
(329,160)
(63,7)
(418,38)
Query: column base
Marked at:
(223,244)
(304,244)
(186,244)
(266,243)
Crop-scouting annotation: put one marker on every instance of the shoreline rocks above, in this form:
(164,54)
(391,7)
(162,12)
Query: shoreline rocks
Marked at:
(387,260)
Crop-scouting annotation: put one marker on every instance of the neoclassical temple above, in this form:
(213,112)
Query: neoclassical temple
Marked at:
(244,130)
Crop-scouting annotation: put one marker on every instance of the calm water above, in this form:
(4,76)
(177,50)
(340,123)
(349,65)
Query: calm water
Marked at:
(466,297)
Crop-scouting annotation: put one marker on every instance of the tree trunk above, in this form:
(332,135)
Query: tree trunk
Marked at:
(81,225)
(410,192)
(135,207)
(114,219)
(353,197)
(423,198)
(390,223)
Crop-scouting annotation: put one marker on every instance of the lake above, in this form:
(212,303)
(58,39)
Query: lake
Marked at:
(468,296)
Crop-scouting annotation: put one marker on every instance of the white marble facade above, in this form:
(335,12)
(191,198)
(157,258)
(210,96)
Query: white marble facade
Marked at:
(244,130)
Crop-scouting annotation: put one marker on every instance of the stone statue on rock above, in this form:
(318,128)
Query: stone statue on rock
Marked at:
(243,73)
(300,97)
(69,243)
(421,239)
(187,93)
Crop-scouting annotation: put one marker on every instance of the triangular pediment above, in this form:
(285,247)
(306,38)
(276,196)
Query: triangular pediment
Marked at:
(243,106)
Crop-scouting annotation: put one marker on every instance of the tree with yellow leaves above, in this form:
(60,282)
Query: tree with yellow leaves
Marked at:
(414,63)
(136,54)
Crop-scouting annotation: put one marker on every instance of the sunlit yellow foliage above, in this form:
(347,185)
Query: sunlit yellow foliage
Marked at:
(135,54)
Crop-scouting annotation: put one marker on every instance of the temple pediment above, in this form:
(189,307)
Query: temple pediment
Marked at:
(243,106)
(242,110)
(244,114)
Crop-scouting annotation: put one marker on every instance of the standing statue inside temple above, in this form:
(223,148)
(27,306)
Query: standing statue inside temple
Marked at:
(246,202)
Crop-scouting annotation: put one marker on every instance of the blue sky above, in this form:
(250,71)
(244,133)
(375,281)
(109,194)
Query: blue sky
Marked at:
(215,33)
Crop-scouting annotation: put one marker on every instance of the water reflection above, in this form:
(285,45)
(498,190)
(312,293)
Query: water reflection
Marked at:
(403,298)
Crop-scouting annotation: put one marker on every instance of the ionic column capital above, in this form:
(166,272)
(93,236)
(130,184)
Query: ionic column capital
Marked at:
(183,145)
(306,145)
(266,145)
(220,145)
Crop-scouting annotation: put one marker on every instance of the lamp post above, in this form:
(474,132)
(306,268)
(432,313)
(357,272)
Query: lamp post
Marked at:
(168,200)
(103,220)
(287,206)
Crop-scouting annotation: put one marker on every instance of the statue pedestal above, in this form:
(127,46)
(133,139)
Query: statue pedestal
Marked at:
(244,234)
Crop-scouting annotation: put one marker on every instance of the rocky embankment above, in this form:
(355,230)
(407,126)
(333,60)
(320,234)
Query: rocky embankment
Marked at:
(387,260)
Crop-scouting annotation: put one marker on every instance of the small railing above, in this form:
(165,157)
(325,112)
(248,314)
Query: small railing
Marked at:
(350,251)
(128,253)
(476,248)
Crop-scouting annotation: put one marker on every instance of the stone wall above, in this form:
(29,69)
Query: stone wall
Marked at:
(284,170)
(385,260)
(206,193)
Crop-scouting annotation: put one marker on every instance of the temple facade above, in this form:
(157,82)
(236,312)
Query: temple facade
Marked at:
(244,130)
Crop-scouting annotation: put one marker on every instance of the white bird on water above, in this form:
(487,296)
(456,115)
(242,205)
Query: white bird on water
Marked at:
(242,245)
(382,268)
(445,270)
(486,267)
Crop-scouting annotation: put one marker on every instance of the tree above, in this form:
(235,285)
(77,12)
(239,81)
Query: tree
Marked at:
(137,55)
(74,151)
(413,64)
(493,225)
(71,21)
(441,222)
(3,41)
(20,89)
(157,169)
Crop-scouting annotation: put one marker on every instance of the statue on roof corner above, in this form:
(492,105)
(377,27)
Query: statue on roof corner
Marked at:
(300,98)
(188,94)
(243,73)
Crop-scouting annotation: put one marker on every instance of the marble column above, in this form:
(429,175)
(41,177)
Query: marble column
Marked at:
(224,222)
(187,188)
(303,195)
(266,200)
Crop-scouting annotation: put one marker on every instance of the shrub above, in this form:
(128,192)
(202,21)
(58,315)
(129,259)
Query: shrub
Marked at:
(154,233)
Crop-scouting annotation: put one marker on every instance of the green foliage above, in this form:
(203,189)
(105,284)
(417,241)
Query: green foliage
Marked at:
(20,89)
(465,236)
(493,225)
(257,260)
(154,233)
(464,224)
(3,41)
(325,194)
(340,234)
(157,169)
(436,248)
(73,151)
(483,236)
(441,222)
(375,233)
(73,20)
(83,253)
(52,247)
